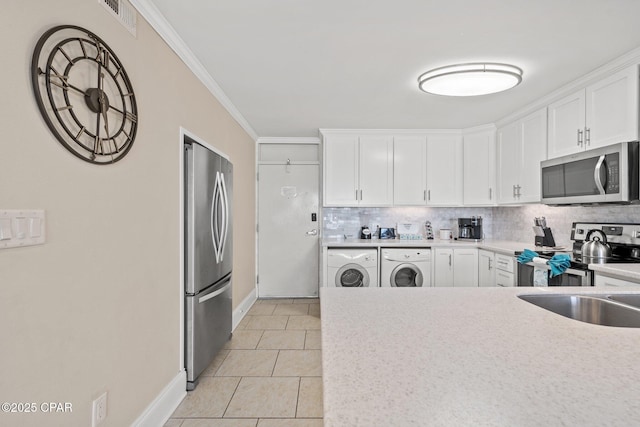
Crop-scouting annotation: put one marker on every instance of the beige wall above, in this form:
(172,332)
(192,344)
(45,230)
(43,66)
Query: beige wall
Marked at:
(97,307)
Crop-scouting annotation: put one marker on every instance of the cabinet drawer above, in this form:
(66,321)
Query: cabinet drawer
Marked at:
(505,279)
(505,263)
(612,281)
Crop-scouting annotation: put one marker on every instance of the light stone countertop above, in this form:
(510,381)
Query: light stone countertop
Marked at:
(623,271)
(472,357)
(503,246)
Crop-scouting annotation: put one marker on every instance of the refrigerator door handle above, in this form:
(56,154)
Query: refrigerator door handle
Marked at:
(214,294)
(224,199)
(215,232)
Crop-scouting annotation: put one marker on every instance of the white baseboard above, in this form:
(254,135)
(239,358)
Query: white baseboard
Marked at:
(159,411)
(241,310)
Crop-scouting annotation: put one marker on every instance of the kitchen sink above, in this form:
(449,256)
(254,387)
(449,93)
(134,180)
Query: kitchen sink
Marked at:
(605,310)
(628,299)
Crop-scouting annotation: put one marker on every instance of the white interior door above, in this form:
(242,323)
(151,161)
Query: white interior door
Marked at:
(287,233)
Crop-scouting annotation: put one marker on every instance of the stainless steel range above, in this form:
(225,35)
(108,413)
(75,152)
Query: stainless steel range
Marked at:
(600,242)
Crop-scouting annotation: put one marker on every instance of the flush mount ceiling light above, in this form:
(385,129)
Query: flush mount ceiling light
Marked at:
(470,79)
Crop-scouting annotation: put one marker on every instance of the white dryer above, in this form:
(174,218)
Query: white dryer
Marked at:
(352,268)
(406,267)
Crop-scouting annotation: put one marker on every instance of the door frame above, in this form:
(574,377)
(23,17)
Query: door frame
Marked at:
(259,161)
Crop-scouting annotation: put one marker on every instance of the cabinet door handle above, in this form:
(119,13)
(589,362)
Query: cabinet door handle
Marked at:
(356,195)
(424,195)
(490,264)
(514,191)
(587,136)
(360,195)
(449,260)
(428,194)
(579,137)
(490,194)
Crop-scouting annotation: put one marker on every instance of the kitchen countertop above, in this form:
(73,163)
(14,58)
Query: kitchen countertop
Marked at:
(469,357)
(503,246)
(623,271)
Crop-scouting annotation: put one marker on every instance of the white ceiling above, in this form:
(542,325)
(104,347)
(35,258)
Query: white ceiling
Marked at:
(291,67)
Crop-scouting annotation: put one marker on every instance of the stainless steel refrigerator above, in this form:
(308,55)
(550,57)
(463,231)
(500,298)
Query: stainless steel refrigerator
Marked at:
(208,256)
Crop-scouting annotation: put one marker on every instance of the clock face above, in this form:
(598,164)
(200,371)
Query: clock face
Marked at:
(84,94)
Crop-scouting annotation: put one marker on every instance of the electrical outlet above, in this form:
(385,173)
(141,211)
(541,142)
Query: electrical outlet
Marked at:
(99,412)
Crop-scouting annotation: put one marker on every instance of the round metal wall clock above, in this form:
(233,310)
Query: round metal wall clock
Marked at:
(84,94)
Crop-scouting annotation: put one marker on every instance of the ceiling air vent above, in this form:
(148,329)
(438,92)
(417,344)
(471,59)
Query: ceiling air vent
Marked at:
(123,11)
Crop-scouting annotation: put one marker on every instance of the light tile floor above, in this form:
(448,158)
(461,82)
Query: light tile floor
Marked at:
(268,375)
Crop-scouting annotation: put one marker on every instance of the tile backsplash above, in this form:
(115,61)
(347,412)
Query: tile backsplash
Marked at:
(514,223)
(501,223)
(338,222)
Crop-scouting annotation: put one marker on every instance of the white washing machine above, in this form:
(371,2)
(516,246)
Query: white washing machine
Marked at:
(405,267)
(352,268)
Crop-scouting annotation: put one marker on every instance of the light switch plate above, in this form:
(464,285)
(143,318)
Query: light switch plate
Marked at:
(21,227)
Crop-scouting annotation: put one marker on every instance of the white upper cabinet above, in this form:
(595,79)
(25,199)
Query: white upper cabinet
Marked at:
(341,170)
(612,109)
(509,160)
(358,170)
(521,147)
(479,168)
(444,170)
(534,150)
(566,125)
(427,170)
(376,170)
(603,113)
(409,170)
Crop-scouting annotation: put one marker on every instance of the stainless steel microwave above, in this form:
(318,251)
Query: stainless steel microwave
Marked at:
(602,175)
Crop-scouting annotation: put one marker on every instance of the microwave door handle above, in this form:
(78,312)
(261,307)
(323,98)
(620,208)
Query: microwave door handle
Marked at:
(597,173)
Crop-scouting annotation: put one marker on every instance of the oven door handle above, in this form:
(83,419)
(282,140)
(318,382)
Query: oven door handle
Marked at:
(572,271)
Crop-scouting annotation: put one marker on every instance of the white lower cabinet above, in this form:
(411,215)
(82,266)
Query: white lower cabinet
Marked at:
(456,267)
(486,268)
(495,269)
(505,270)
(504,279)
(601,280)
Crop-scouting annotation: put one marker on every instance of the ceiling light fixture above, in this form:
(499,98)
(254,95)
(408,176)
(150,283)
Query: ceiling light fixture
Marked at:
(472,79)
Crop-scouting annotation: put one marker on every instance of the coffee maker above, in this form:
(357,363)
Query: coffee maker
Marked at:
(470,228)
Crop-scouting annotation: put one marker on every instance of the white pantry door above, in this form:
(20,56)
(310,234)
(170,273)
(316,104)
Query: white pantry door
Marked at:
(287,233)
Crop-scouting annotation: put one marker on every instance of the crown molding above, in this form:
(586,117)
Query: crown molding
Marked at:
(160,24)
(366,132)
(491,127)
(288,140)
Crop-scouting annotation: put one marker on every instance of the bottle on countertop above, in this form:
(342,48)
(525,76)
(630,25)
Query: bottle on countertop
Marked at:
(428,230)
